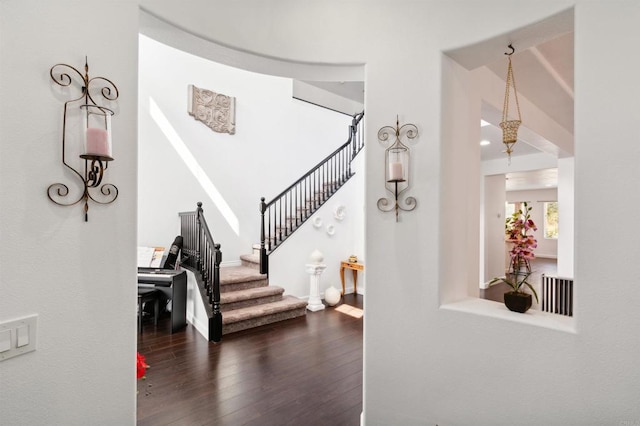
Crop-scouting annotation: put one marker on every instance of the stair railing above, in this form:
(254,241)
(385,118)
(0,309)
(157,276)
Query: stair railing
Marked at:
(284,214)
(356,135)
(203,255)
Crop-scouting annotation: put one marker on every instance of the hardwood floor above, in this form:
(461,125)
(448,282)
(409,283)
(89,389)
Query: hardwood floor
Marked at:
(302,371)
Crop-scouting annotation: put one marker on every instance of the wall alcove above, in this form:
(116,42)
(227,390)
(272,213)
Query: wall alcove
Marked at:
(473,89)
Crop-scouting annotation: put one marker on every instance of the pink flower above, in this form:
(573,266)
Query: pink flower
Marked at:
(517,229)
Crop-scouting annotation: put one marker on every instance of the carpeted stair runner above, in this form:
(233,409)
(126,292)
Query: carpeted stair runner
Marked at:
(247,300)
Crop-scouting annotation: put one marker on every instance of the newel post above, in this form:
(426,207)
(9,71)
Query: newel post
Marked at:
(216,321)
(264,259)
(199,237)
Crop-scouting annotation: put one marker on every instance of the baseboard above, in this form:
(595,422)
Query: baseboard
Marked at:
(347,290)
(547,256)
(231,263)
(203,329)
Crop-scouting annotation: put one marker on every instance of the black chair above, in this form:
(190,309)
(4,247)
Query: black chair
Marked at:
(146,295)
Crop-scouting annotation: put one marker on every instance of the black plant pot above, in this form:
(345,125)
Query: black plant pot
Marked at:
(517,301)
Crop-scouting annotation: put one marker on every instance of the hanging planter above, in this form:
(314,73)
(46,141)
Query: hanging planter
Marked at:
(510,127)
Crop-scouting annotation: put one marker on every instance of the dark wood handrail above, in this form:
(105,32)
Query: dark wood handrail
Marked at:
(310,172)
(352,140)
(204,256)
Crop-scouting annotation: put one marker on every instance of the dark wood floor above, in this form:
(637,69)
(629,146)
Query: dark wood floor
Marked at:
(305,371)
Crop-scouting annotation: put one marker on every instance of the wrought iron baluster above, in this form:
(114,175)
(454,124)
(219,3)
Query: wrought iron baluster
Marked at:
(297,203)
(204,256)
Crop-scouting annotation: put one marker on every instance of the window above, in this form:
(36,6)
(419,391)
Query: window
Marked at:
(511,208)
(551,220)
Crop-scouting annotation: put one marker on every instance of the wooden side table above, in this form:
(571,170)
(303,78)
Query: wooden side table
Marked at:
(355,267)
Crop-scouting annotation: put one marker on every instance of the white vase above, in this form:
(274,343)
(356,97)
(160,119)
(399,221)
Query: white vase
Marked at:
(332,296)
(316,257)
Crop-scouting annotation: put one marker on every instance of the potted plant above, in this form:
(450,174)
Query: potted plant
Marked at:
(517,229)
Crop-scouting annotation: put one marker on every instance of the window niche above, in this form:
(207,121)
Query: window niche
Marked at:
(468,76)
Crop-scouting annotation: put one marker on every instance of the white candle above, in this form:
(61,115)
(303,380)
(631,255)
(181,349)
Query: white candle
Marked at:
(395,171)
(98,142)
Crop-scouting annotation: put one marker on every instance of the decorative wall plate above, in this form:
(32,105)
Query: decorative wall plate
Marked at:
(331,230)
(339,212)
(215,110)
(317,222)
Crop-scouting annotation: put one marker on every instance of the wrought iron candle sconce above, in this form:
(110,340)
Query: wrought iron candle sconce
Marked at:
(95,131)
(396,170)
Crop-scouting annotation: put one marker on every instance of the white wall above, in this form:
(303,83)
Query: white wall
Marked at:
(287,263)
(79,278)
(424,362)
(536,198)
(196,311)
(493,229)
(566,215)
(319,96)
(277,140)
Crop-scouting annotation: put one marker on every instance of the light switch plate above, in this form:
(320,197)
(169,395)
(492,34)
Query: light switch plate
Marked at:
(5,340)
(22,336)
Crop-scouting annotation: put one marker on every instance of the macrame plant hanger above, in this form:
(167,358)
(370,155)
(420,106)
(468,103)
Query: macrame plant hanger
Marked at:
(510,127)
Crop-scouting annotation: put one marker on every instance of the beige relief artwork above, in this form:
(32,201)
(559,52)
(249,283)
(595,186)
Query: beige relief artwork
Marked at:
(215,110)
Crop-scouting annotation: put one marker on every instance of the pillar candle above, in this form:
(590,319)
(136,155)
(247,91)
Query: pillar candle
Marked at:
(98,142)
(395,171)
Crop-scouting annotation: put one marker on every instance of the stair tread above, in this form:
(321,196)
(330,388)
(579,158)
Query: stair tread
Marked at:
(237,274)
(287,303)
(251,258)
(251,293)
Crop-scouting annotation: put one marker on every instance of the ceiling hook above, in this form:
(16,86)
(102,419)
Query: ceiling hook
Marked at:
(512,50)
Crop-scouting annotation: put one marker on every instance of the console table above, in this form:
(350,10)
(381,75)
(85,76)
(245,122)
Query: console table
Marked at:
(355,267)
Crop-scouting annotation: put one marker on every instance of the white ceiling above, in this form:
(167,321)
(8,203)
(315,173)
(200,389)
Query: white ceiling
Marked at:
(544,75)
(353,90)
(537,179)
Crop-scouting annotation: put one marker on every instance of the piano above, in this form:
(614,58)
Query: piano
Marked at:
(173,284)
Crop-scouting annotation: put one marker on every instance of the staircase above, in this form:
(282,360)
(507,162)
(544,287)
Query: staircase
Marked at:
(240,297)
(236,297)
(247,300)
(284,214)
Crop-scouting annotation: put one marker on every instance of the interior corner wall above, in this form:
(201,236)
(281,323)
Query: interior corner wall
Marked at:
(277,140)
(319,96)
(78,277)
(566,217)
(494,220)
(461,186)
